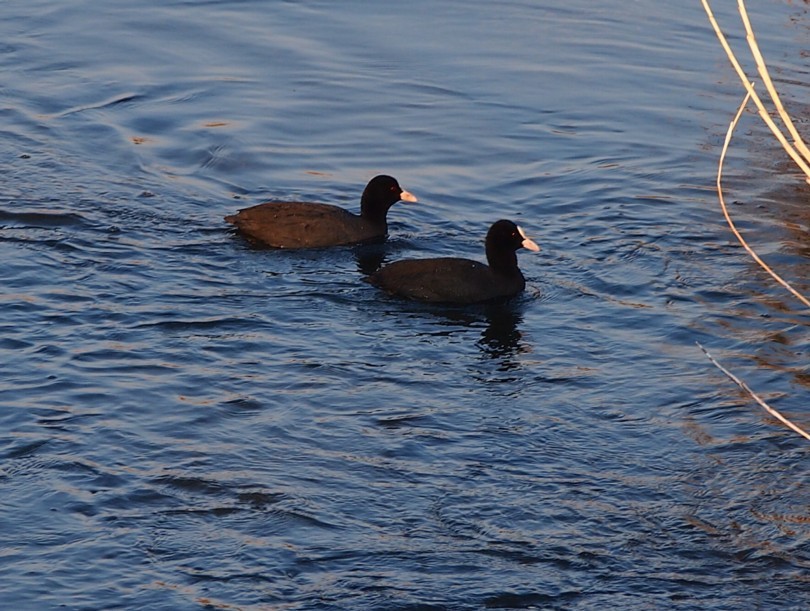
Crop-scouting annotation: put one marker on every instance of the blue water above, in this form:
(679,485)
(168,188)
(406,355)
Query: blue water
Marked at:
(189,422)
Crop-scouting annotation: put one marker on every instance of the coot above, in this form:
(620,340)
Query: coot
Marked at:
(311,225)
(462,281)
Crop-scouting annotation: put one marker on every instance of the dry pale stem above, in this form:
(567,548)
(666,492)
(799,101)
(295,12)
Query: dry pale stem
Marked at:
(763,113)
(766,79)
(800,160)
(729,220)
(756,397)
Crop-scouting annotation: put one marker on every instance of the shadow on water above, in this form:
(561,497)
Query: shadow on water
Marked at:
(494,329)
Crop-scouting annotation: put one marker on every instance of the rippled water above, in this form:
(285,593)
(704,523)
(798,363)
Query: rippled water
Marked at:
(189,422)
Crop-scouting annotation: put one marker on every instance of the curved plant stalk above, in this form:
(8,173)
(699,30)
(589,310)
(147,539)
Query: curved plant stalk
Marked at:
(764,265)
(763,113)
(756,398)
(730,222)
(766,80)
(791,150)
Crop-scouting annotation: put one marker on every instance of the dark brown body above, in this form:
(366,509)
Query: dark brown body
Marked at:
(462,281)
(314,225)
(298,225)
(447,280)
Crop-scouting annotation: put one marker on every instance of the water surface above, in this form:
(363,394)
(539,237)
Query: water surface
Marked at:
(190,422)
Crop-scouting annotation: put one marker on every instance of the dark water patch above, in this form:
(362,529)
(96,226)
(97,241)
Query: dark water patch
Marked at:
(199,326)
(24,450)
(41,219)
(508,600)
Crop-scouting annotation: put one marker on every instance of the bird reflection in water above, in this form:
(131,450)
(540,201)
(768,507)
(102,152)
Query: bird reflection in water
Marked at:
(502,339)
(370,257)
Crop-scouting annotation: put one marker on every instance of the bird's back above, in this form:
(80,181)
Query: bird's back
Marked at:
(446,280)
(303,225)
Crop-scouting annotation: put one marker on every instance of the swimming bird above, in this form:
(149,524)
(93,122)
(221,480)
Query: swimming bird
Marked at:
(461,281)
(314,225)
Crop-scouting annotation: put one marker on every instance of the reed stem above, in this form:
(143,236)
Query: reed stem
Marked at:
(766,80)
(756,397)
(763,113)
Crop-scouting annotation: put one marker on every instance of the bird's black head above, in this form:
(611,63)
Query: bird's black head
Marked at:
(380,194)
(505,235)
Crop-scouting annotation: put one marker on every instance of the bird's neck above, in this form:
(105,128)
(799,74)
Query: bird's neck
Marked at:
(375,214)
(504,263)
